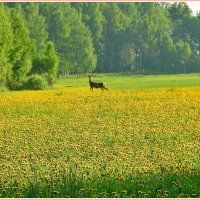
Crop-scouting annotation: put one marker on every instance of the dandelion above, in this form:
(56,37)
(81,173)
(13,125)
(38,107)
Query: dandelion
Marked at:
(76,136)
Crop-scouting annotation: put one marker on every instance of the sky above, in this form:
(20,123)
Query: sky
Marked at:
(194,5)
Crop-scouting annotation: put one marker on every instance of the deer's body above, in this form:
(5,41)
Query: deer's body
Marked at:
(96,85)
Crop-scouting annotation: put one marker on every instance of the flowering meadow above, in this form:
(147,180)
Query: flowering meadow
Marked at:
(72,142)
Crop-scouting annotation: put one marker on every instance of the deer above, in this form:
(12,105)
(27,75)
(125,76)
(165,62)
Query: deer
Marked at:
(96,85)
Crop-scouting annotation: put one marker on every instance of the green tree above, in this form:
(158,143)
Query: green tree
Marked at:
(80,50)
(46,63)
(72,38)
(166,54)
(181,15)
(94,19)
(58,17)
(148,23)
(126,58)
(182,55)
(21,54)
(106,37)
(157,23)
(6,44)
(37,26)
(116,23)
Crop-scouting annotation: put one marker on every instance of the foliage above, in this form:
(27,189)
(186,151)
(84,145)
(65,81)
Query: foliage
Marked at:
(57,17)
(80,47)
(88,37)
(35,82)
(21,53)
(37,26)
(183,53)
(47,63)
(75,50)
(6,38)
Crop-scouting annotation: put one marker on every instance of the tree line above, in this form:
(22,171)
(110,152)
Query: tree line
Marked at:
(53,39)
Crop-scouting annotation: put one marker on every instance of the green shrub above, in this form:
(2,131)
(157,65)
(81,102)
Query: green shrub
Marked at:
(3,89)
(50,78)
(35,82)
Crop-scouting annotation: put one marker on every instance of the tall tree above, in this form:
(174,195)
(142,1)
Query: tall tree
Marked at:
(47,63)
(21,53)
(37,26)
(182,55)
(166,54)
(6,43)
(181,15)
(157,23)
(57,17)
(72,38)
(80,50)
(94,19)
(106,37)
(116,23)
(147,26)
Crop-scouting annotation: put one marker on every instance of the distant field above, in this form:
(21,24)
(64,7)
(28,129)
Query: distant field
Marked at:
(133,81)
(141,138)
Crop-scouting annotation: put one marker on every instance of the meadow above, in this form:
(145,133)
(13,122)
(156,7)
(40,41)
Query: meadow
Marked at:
(141,138)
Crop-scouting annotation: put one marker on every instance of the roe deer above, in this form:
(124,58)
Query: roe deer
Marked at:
(96,85)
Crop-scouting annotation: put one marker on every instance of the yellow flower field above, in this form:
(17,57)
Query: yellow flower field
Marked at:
(73,138)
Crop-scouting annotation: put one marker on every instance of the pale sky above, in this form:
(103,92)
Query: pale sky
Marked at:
(194,5)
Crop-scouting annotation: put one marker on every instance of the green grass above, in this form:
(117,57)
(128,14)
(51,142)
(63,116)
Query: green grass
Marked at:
(114,81)
(163,185)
